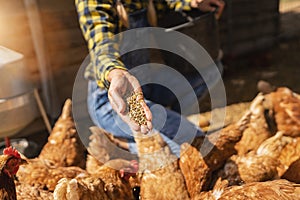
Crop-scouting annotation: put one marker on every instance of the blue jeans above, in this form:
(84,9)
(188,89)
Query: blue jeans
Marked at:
(174,128)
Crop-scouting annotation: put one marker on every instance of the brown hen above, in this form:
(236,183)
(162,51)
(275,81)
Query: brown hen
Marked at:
(103,180)
(9,165)
(269,190)
(44,175)
(218,147)
(116,186)
(83,187)
(161,176)
(286,106)
(27,192)
(257,130)
(197,167)
(221,145)
(194,169)
(256,166)
(114,173)
(249,168)
(64,147)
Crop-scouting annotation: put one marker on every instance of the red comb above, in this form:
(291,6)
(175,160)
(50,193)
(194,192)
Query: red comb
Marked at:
(10,151)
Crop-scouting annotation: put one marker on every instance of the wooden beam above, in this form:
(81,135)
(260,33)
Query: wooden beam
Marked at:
(36,29)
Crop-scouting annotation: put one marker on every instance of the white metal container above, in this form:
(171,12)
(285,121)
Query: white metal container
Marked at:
(13,74)
(17,104)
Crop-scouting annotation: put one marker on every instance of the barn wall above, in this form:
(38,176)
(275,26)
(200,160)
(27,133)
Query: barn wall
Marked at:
(60,40)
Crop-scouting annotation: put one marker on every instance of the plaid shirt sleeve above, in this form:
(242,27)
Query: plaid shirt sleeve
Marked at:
(179,5)
(98,22)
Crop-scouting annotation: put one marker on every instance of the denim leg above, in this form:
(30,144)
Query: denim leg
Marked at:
(102,113)
(174,128)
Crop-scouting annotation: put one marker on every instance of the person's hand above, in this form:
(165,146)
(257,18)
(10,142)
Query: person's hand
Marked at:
(209,6)
(122,85)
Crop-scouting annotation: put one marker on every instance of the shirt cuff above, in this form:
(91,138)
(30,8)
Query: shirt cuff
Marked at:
(103,74)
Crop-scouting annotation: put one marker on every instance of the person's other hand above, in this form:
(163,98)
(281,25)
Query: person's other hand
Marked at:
(123,84)
(209,6)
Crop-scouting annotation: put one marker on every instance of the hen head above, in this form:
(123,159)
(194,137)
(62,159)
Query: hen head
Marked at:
(130,170)
(11,161)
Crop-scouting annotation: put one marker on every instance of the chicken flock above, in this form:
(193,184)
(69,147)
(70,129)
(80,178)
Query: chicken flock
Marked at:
(257,157)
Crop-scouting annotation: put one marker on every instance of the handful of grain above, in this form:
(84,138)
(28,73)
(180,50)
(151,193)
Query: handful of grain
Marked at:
(136,111)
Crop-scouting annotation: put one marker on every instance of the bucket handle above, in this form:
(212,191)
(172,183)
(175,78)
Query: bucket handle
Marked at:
(190,20)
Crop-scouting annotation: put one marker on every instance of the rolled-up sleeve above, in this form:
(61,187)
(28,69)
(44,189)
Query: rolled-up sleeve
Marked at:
(98,22)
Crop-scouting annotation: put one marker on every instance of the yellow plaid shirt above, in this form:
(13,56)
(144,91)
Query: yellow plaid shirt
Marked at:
(99,23)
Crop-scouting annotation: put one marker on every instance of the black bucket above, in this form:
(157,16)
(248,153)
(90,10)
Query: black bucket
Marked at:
(202,27)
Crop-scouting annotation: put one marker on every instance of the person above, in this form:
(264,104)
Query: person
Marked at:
(110,81)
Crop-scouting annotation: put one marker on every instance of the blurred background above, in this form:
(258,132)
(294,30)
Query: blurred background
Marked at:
(260,40)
